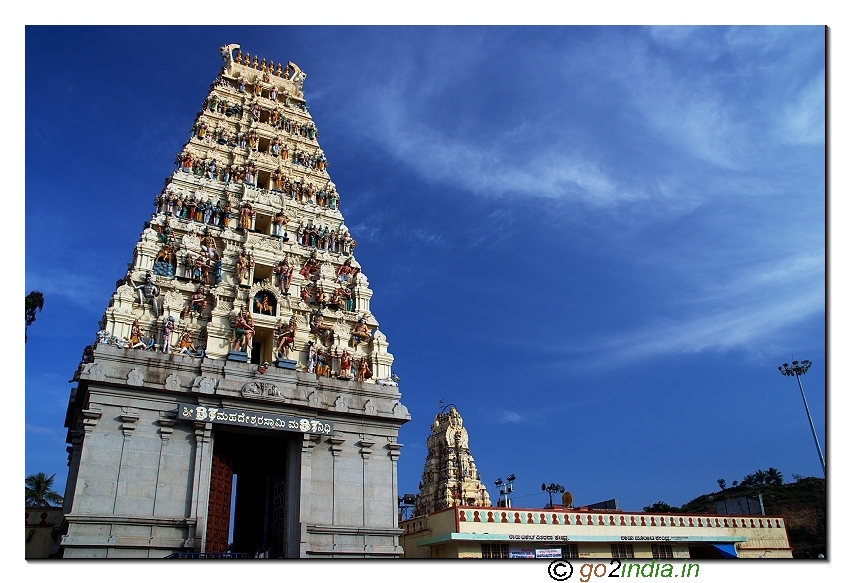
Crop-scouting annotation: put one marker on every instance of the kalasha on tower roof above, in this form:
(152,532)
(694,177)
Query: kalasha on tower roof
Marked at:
(450,477)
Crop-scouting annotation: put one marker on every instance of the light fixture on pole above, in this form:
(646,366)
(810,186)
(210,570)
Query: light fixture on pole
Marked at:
(505,488)
(405,506)
(552,489)
(795,369)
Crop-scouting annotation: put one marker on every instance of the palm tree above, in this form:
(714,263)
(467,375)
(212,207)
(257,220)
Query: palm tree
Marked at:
(39,490)
(749,480)
(774,477)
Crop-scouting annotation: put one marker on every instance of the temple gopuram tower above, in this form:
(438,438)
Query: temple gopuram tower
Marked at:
(450,477)
(239,371)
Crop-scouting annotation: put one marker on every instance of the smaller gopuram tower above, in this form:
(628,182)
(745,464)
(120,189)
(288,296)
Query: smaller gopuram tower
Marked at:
(450,477)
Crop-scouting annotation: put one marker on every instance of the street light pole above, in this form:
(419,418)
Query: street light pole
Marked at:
(795,369)
(552,489)
(505,488)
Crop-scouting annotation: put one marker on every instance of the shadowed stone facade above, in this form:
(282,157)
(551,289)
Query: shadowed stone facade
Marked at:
(258,363)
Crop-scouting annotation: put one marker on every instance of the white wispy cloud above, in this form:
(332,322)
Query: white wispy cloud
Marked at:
(751,310)
(38,430)
(803,119)
(76,288)
(493,169)
(722,331)
(510,417)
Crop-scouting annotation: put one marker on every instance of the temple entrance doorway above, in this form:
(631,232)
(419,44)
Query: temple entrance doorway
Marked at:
(249,489)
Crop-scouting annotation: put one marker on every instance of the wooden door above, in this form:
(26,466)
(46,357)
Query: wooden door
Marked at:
(221,488)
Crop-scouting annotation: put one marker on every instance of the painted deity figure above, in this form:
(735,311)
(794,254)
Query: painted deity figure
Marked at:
(305,293)
(189,208)
(312,355)
(197,303)
(351,300)
(338,298)
(311,266)
(244,332)
(227,213)
(279,225)
(264,305)
(345,365)
(286,337)
(360,333)
(200,209)
(321,296)
(323,331)
(243,266)
(148,291)
(208,211)
(363,370)
(136,338)
(163,263)
(247,213)
(217,213)
(187,161)
(277,180)
(167,330)
(208,245)
(284,270)
(164,231)
(189,260)
(322,367)
(185,345)
(346,272)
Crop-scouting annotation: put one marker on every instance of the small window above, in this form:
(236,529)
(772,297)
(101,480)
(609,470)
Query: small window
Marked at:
(262,224)
(494,551)
(662,551)
(569,552)
(622,552)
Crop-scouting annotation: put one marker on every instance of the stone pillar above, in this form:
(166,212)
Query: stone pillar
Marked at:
(394,453)
(366,453)
(90,417)
(307,444)
(200,493)
(74,452)
(336,451)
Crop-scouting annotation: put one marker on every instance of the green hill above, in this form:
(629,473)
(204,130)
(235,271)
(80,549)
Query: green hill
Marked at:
(802,504)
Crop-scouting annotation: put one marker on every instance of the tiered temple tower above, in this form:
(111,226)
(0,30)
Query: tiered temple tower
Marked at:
(240,351)
(450,477)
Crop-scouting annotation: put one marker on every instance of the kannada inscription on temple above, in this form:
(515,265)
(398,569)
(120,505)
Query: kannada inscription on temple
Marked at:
(244,418)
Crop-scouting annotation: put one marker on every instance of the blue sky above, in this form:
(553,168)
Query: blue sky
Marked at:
(597,242)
